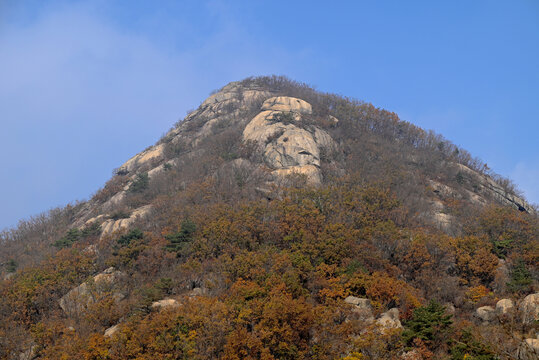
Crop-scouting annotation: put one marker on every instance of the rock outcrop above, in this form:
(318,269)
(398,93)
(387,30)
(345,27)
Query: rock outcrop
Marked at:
(165,303)
(530,308)
(105,283)
(289,145)
(110,226)
(390,319)
(112,330)
(153,153)
(529,349)
(485,186)
(359,302)
(362,307)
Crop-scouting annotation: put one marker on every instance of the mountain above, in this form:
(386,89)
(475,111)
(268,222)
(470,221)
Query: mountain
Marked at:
(279,222)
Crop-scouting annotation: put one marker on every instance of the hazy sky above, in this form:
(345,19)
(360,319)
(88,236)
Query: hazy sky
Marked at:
(84,85)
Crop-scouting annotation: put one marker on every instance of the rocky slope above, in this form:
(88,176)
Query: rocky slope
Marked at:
(290,139)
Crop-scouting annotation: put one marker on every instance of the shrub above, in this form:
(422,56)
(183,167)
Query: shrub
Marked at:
(126,239)
(91,230)
(140,183)
(284,117)
(11,266)
(74,235)
(120,215)
(69,239)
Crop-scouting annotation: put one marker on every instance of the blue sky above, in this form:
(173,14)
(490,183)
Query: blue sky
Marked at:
(84,85)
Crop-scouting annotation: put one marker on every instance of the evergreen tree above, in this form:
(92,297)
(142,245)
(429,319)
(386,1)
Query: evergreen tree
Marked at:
(178,240)
(429,323)
(521,277)
(470,349)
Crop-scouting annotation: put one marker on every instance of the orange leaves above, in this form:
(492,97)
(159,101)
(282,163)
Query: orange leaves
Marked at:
(476,293)
(161,335)
(506,228)
(244,290)
(474,260)
(35,288)
(417,257)
(333,291)
(269,323)
(284,325)
(385,290)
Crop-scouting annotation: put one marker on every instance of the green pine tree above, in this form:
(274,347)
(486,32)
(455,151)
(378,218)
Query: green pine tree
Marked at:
(429,323)
(178,240)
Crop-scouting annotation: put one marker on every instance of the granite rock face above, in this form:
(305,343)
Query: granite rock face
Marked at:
(103,284)
(110,226)
(530,308)
(487,187)
(289,145)
(154,153)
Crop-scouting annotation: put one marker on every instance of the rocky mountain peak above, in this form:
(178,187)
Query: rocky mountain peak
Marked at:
(269,130)
(272,203)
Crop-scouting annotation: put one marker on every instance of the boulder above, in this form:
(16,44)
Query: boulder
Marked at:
(29,354)
(504,306)
(530,308)
(112,330)
(485,313)
(165,303)
(390,319)
(9,275)
(362,307)
(91,250)
(87,293)
(413,354)
(529,350)
(333,119)
(450,308)
(197,292)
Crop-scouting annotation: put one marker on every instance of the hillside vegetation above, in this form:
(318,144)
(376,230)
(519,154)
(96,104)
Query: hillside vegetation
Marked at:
(277,222)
